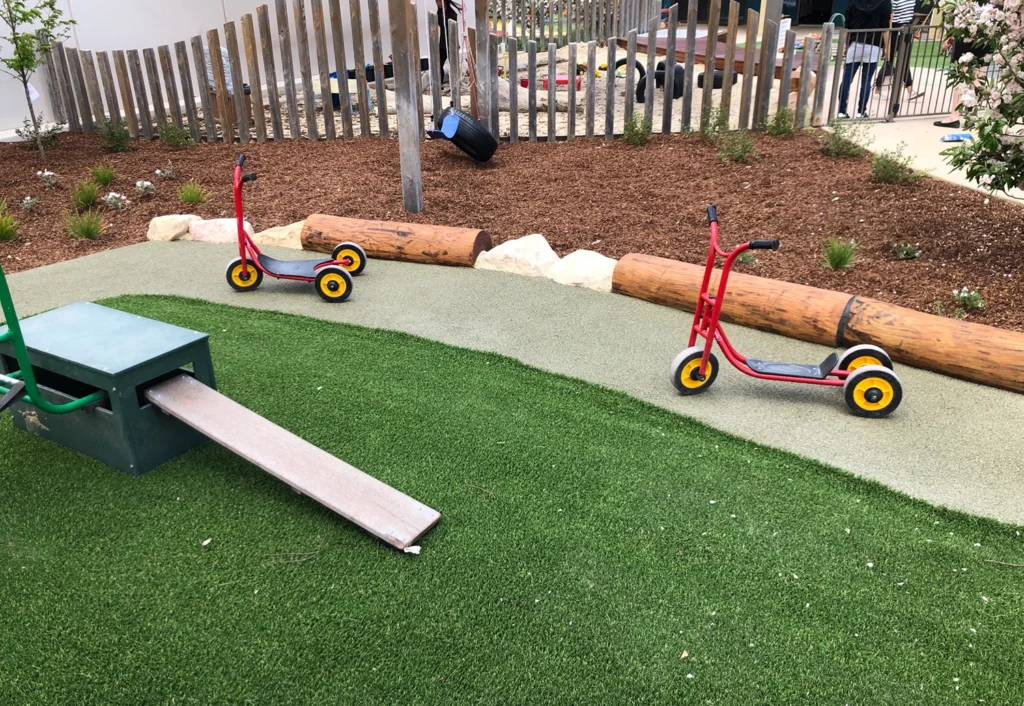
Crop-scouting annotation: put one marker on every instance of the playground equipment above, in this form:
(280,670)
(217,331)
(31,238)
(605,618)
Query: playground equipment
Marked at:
(678,79)
(870,387)
(331,278)
(117,388)
(466,133)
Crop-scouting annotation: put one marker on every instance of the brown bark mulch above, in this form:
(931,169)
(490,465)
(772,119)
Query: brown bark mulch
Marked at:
(604,196)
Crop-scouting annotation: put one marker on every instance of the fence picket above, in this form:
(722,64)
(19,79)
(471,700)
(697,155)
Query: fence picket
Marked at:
(267,49)
(141,100)
(341,68)
(826,55)
(324,67)
(688,70)
(630,74)
(205,90)
(492,82)
(66,89)
(417,69)
(454,64)
(591,84)
(652,31)
(609,106)
(513,89)
(224,105)
(305,69)
(670,65)
(187,91)
(92,87)
(52,87)
(531,48)
(570,132)
(435,65)
(709,63)
(284,38)
(373,13)
(836,77)
(749,50)
(167,70)
(805,90)
(109,89)
(240,100)
(156,93)
(78,78)
(406,85)
(787,69)
(131,119)
(730,58)
(552,80)
(252,62)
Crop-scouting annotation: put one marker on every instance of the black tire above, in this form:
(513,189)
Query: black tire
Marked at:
(641,89)
(872,391)
(471,137)
(684,374)
(352,252)
(252,279)
(864,354)
(333,283)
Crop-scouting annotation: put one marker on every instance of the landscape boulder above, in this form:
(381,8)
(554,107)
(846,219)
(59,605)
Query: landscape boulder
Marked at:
(172,227)
(584,268)
(216,230)
(281,236)
(530,256)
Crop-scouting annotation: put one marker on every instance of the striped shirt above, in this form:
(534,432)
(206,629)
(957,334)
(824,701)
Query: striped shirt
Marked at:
(902,12)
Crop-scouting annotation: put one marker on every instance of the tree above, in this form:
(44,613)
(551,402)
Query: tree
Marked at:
(992,99)
(30,27)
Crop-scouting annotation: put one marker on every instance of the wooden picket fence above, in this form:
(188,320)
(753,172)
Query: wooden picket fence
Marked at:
(144,89)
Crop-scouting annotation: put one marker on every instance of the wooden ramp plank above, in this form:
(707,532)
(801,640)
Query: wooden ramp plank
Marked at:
(360,498)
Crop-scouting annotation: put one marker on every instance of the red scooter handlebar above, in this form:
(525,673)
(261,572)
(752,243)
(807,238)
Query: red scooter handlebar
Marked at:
(752,245)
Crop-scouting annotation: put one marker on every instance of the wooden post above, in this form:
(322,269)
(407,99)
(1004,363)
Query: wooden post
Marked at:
(670,65)
(305,69)
(552,79)
(531,48)
(630,74)
(805,90)
(513,90)
(454,64)
(323,64)
(341,68)
(688,70)
(652,31)
(709,64)
(748,69)
(252,62)
(787,69)
(267,48)
(225,107)
(591,85)
(609,105)
(570,133)
(819,90)
(109,89)
(237,84)
(435,66)
(131,119)
(66,89)
(205,89)
(730,60)
(156,94)
(142,102)
(373,12)
(408,135)
(78,78)
(284,37)
(492,82)
(167,70)
(92,87)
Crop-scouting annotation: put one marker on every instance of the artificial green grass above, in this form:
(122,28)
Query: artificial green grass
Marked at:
(587,542)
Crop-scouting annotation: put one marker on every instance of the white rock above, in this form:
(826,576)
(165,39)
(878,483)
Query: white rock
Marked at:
(584,268)
(217,230)
(530,255)
(172,227)
(281,236)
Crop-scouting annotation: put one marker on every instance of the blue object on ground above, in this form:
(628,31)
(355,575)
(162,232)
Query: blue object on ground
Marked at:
(957,137)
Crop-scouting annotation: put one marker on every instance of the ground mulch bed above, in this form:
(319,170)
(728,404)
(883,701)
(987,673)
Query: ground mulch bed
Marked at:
(604,196)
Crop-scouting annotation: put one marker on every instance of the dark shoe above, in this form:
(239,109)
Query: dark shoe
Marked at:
(947,123)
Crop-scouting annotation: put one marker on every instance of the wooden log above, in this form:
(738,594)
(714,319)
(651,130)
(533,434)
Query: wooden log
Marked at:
(531,72)
(252,63)
(609,105)
(688,70)
(787,70)
(82,99)
(223,103)
(388,240)
(828,30)
(66,88)
(187,91)
(341,68)
(591,85)
(652,31)
(435,66)
(109,89)
(167,70)
(513,90)
(156,93)
(267,49)
(124,85)
(730,59)
(241,115)
(805,85)
(323,66)
(406,89)
(630,74)
(205,89)
(141,101)
(455,64)
(570,133)
(378,68)
(92,88)
(284,38)
(552,80)
(748,69)
(305,69)
(709,64)
(670,67)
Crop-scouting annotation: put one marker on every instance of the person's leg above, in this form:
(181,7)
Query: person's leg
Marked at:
(844,89)
(865,86)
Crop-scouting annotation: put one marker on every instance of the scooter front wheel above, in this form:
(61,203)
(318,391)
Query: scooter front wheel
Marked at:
(864,354)
(351,256)
(872,391)
(243,281)
(685,371)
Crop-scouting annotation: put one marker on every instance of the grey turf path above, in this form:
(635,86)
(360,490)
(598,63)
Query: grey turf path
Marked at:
(951,443)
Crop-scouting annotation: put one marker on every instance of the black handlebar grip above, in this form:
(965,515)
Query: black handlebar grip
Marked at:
(241,159)
(712,214)
(764,244)
(249,177)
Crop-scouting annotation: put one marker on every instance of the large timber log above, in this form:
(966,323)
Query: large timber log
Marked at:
(410,242)
(974,352)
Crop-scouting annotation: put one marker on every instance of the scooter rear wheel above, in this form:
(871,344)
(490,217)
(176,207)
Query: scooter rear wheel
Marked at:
(352,257)
(333,283)
(864,354)
(872,391)
(243,281)
(685,371)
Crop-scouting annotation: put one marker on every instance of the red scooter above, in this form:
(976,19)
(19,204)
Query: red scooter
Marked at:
(870,387)
(331,278)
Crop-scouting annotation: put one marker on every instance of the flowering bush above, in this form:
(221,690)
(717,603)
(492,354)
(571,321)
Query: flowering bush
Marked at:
(29,204)
(49,178)
(116,201)
(166,173)
(992,102)
(145,188)
(968,299)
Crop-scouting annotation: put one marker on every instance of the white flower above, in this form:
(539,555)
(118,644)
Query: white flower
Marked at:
(871,565)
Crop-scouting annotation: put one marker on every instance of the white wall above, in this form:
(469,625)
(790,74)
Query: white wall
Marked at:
(105,25)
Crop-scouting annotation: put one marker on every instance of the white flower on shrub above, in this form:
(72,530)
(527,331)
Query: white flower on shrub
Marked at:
(166,173)
(145,188)
(29,204)
(50,179)
(116,201)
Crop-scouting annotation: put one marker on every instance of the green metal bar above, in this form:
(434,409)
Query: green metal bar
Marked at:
(21,354)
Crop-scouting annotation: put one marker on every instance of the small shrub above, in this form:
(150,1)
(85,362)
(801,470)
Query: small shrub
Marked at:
(782,124)
(116,201)
(175,137)
(637,130)
(843,140)
(893,167)
(145,188)
(167,172)
(84,195)
(746,258)
(737,146)
(839,254)
(968,299)
(50,136)
(193,192)
(114,137)
(718,123)
(28,204)
(906,251)
(49,179)
(8,226)
(103,174)
(85,226)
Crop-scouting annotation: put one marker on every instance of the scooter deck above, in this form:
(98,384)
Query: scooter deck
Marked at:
(795,370)
(290,268)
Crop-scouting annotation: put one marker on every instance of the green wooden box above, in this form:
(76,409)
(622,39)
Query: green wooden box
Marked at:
(84,347)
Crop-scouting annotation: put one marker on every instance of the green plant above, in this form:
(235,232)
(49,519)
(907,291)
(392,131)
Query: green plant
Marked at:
(637,129)
(843,140)
(906,251)
(717,124)
(175,137)
(145,188)
(114,137)
(737,146)
(8,226)
(968,299)
(746,258)
(782,124)
(49,179)
(85,226)
(116,201)
(32,136)
(167,172)
(893,167)
(84,195)
(29,203)
(193,192)
(839,254)
(103,174)
(28,28)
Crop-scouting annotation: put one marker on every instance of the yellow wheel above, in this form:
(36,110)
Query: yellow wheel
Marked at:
(859,356)
(685,371)
(872,391)
(350,256)
(243,281)
(333,283)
